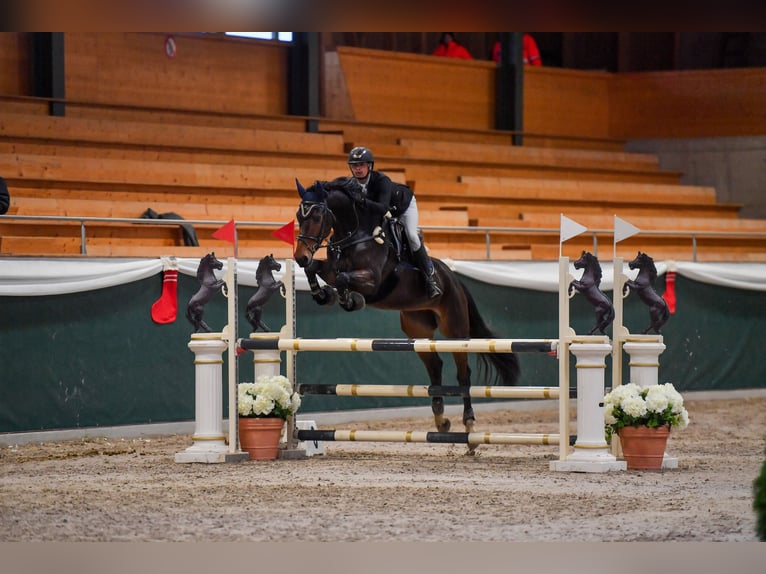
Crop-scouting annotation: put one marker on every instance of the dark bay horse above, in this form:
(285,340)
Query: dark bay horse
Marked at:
(589,286)
(643,284)
(360,270)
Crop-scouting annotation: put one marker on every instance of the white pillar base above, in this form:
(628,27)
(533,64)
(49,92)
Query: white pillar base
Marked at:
(209,440)
(591,451)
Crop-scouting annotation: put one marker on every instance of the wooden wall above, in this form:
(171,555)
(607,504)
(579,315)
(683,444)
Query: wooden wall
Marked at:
(709,103)
(215,74)
(567,102)
(218,75)
(14,64)
(402,88)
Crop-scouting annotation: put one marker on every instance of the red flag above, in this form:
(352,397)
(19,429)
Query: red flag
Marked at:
(286,233)
(226,233)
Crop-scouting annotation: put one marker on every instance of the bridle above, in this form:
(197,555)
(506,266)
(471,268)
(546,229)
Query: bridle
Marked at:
(325,224)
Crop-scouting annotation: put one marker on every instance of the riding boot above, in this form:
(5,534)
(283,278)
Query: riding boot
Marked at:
(427,267)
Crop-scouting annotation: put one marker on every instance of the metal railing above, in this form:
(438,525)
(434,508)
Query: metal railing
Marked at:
(487,231)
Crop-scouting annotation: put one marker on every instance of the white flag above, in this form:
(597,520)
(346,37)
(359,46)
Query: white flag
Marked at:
(623,229)
(570,229)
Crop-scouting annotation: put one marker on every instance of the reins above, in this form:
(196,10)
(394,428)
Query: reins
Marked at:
(319,241)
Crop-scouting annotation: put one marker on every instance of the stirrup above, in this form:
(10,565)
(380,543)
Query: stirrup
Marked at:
(433,289)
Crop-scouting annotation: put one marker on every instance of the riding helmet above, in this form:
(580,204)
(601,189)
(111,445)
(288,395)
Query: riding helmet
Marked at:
(361,155)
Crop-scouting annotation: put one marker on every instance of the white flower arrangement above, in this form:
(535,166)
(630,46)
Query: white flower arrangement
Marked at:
(268,396)
(653,406)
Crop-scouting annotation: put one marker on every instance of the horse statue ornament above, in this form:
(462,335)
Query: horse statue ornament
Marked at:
(209,286)
(267,285)
(643,284)
(588,285)
(360,271)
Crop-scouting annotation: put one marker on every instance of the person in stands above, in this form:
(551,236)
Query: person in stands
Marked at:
(529,52)
(451,48)
(377,195)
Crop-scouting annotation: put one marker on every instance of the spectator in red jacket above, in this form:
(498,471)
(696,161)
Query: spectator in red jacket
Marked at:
(449,47)
(529,52)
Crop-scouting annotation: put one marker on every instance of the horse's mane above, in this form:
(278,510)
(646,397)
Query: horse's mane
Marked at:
(592,264)
(647,264)
(346,184)
(264,268)
(205,265)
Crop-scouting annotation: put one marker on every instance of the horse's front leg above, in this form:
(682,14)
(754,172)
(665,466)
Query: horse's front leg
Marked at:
(354,285)
(325,295)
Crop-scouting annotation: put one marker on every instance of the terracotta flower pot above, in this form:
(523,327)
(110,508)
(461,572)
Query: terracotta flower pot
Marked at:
(644,447)
(259,437)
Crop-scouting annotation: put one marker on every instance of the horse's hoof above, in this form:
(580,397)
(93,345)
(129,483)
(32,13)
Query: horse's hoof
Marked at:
(444,426)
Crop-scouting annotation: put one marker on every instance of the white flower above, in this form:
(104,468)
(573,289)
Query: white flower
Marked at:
(656,399)
(267,396)
(653,406)
(634,406)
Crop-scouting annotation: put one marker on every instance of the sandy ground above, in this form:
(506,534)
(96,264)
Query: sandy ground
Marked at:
(132,490)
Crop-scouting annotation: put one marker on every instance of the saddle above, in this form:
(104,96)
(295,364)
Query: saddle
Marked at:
(394,229)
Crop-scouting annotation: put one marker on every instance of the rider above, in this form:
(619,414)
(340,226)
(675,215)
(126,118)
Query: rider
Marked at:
(377,195)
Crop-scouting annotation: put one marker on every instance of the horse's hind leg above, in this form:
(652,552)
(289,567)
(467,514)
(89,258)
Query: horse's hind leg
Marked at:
(464,380)
(422,325)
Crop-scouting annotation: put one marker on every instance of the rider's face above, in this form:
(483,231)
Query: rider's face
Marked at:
(360,170)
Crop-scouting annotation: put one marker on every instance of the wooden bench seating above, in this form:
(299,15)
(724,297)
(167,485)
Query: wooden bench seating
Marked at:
(501,201)
(375,134)
(669,222)
(177,136)
(252,209)
(18,168)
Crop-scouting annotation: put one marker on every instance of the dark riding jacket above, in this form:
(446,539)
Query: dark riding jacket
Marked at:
(384,195)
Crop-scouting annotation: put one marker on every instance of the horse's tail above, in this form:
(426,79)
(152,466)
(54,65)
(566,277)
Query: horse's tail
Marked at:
(505,365)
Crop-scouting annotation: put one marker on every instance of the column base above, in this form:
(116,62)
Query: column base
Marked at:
(589,461)
(210,456)
(669,462)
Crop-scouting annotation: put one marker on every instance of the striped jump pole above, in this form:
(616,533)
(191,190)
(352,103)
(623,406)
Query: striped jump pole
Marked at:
(475,438)
(430,391)
(416,345)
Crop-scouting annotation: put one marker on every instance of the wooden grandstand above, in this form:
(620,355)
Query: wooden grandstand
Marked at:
(83,167)
(214,154)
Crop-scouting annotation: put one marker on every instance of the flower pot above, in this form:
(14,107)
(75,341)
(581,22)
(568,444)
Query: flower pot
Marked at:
(644,447)
(259,437)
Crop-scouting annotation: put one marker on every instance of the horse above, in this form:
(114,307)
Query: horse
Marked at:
(644,286)
(209,286)
(588,285)
(267,285)
(364,268)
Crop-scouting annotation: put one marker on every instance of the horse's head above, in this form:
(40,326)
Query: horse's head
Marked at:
(267,265)
(642,261)
(585,260)
(315,221)
(207,264)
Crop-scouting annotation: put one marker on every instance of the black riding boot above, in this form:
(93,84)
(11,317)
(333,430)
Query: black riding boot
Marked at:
(427,267)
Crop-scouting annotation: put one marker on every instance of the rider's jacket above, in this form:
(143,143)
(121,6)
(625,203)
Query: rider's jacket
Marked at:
(382,195)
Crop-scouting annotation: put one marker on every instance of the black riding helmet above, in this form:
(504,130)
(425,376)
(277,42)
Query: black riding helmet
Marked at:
(361,155)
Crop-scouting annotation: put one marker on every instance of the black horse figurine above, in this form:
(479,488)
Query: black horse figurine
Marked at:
(644,286)
(588,285)
(361,271)
(267,285)
(209,286)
